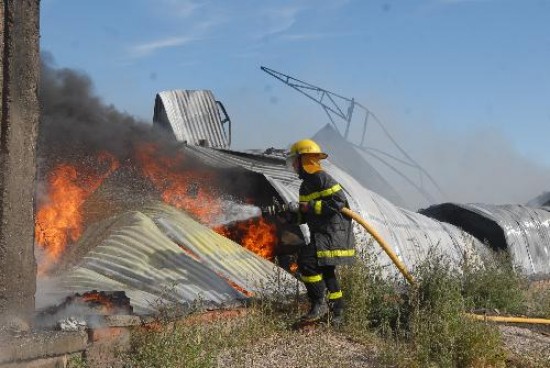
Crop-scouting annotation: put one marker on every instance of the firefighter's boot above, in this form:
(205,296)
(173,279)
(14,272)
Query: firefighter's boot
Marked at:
(336,312)
(318,307)
(317,311)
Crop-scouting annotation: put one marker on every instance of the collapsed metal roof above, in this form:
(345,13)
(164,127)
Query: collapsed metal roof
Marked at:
(522,231)
(159,255)
(412,235)
(192,116)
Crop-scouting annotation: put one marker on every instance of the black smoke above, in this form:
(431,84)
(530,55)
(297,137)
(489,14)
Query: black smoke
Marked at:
(76,123)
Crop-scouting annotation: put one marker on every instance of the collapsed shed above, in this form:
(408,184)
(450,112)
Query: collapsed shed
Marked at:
(524,232)
(159,254)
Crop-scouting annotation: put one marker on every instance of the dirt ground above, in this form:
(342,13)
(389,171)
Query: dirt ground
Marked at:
(324,348)
(321,348)
(532,344)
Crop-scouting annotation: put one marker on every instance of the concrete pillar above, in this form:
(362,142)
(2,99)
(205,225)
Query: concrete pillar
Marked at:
(19,114)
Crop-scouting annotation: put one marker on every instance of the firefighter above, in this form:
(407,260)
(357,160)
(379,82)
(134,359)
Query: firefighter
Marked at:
(321,199)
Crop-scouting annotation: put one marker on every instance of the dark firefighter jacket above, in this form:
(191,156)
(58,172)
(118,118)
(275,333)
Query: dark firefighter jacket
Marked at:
(331,231)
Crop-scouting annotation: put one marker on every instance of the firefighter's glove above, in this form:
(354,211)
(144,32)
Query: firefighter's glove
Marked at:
(293,207)
(304,207)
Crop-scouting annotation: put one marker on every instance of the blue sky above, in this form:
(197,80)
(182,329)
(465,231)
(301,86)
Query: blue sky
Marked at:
(453,71)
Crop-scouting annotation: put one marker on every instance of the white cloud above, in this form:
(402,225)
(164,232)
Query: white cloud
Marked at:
(148,48)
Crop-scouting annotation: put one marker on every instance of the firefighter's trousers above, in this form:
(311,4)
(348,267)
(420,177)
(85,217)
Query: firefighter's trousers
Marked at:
(318,279)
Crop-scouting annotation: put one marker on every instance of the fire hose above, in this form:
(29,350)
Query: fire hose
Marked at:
(277,208)
(396,261)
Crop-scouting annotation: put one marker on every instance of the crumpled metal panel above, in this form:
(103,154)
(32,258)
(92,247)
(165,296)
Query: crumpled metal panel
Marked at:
(542,200)
(412,235)
(160,255)
(192,116)
(523,231)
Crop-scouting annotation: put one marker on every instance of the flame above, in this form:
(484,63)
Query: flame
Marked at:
(256,235)
(185,189)
(99,299)
(260,237)
(60,221)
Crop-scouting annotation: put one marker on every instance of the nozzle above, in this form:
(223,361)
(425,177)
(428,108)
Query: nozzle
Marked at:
(274,209)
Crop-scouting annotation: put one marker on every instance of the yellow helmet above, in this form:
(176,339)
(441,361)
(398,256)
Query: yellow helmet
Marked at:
(307,146)
(309,154)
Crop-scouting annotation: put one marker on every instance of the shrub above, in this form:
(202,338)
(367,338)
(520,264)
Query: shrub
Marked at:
(422,327)
(497,285)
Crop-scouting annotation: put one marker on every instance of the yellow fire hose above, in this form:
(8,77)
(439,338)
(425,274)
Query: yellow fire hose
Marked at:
(401,267)
(396,261)
(503,319)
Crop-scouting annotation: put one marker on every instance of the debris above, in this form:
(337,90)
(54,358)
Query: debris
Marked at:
(71,324)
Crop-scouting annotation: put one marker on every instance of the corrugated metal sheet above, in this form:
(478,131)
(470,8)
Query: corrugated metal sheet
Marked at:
(523,231)
(411,234)
(192,116)
(141,253)
(273,168)
(540,201)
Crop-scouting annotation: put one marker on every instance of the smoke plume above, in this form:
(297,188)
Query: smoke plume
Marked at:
(74,121)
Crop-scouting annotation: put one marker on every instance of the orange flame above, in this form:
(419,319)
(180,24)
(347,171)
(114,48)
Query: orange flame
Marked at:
(256,235)
(59,221)
(184,189)
(99,299)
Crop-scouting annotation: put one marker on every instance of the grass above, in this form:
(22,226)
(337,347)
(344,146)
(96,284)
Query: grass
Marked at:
(421,327)
(498,286)
(198,344)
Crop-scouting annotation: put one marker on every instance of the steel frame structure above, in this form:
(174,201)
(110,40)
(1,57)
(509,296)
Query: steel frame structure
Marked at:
(339,107)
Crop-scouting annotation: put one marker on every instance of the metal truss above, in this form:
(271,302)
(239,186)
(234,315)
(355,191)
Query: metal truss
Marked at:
(340,110)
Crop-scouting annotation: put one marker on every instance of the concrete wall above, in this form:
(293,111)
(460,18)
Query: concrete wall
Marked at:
(19,114)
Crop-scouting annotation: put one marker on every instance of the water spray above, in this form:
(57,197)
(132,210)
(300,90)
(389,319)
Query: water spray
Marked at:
(236,212)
